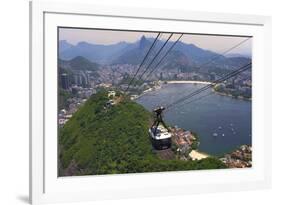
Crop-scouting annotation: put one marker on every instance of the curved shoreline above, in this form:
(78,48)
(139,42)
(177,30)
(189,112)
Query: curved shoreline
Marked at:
(206,152)
(231,96)
(188,82)
(195,82)
(207,83)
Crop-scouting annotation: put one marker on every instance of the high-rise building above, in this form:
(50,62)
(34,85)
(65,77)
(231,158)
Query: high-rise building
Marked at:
(81,79)
(64,81)
(78,79)
(84,80)
(161,76)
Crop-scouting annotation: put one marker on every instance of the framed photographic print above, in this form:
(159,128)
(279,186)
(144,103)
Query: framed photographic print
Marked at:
(130,102)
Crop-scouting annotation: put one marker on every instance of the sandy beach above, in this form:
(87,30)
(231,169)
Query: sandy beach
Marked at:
(196,155)
(188,81)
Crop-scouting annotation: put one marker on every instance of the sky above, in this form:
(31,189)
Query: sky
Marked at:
(217,44)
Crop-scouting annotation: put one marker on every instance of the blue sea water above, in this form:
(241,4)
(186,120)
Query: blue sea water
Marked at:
(221,122)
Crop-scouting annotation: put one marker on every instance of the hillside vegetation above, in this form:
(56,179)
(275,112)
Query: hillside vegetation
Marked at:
(99,140)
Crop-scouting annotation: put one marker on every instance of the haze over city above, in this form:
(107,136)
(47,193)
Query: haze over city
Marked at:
(106,37)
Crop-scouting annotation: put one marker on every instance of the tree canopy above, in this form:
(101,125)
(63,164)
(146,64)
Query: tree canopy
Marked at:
(114,140)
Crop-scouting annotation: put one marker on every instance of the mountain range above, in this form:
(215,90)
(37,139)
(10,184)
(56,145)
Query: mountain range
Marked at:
(183,55)
(78,63)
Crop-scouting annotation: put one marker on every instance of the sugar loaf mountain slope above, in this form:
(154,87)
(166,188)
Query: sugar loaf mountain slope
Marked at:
(114,140)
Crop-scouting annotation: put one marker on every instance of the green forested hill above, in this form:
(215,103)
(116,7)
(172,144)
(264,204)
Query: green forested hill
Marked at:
(114,140)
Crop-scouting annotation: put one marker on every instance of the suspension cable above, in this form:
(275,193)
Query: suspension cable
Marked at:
(159,51)
(163,57)
(230,75)
(149,50)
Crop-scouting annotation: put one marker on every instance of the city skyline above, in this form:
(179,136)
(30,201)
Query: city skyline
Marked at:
(214,43)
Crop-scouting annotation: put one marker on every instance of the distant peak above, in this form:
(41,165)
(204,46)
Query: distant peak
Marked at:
(143,42)
(143,37)
(79,58)
(64,45)
(122,42)
(81,43)
(65,42)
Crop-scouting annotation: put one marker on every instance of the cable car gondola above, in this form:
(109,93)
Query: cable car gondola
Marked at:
(159,132)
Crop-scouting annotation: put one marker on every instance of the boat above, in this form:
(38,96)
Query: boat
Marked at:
(215,134)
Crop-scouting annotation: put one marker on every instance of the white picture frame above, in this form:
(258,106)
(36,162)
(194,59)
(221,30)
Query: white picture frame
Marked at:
(46,187)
